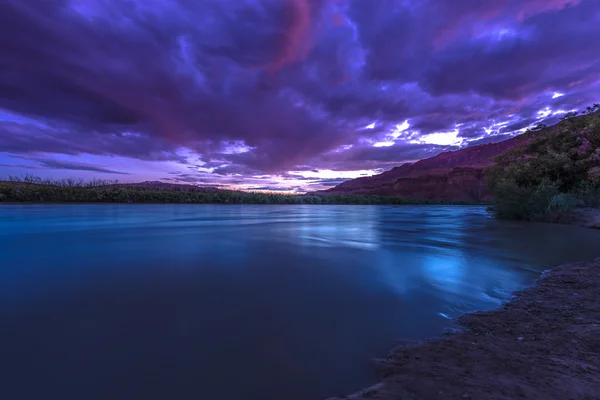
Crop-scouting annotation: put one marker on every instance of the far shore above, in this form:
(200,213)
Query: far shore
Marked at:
(68,192)
(543,344)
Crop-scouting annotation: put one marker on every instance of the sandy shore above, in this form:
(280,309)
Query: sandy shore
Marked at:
(543,344)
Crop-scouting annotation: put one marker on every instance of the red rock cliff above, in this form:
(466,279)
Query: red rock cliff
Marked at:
(455,175)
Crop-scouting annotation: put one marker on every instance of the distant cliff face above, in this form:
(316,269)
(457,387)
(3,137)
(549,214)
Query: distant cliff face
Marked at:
(456,175)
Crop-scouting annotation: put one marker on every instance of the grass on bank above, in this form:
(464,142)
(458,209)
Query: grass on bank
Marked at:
(554,171)
(33,189)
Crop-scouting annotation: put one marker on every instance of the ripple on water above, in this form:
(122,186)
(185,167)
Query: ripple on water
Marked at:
(236,301)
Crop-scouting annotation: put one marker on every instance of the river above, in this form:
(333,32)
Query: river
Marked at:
(252,302)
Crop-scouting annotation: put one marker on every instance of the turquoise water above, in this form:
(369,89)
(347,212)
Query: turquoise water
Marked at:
(227,302)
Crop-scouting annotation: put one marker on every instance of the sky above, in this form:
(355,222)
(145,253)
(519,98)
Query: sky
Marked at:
(284,95)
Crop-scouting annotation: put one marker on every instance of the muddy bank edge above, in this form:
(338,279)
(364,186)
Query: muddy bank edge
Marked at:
(542,344)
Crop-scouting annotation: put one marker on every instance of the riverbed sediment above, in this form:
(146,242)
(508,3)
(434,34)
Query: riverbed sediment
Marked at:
(542,344)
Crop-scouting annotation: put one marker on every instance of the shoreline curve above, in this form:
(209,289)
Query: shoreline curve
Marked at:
(543,343)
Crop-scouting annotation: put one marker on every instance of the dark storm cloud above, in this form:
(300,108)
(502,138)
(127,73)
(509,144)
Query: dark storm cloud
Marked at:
(126,66)
(327,182)
(368,157)
(59,164)
(471,132)
(290,79)
(516,59)
(23,138)
(489,139)
(523,123)
(196,179)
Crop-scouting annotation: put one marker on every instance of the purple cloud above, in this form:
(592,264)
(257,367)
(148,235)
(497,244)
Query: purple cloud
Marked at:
(265,87)
(76,166)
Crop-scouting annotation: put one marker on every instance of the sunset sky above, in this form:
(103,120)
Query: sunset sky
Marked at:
(280,94)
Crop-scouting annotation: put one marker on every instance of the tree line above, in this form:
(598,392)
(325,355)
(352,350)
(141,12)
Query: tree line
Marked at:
(32,189)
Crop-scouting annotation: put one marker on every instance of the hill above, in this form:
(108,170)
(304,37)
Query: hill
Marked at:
(454,175)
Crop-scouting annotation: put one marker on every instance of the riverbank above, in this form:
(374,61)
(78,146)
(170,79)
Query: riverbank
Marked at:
(587,217)
(94,192)
(543,344)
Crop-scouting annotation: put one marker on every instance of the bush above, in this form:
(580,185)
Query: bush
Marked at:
(552,171)
(589,194)
(563,202)
(510,200)
(535,203)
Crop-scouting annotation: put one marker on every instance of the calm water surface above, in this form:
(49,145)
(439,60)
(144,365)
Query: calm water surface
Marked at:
(244,302)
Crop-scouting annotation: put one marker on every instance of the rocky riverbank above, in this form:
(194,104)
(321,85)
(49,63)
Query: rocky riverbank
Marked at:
(543,344)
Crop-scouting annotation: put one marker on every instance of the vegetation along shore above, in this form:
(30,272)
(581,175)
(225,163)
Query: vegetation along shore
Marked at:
(34,190)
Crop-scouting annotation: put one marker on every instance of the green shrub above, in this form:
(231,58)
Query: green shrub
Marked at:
(563,202)
(513,201)
(510,200)
(552,171)
(588,193)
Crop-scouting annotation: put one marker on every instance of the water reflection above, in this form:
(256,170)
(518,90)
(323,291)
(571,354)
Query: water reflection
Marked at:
(336,227)
(446,272)
(252,302)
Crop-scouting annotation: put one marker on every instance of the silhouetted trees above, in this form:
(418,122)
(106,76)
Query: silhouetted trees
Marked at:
(33,189)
